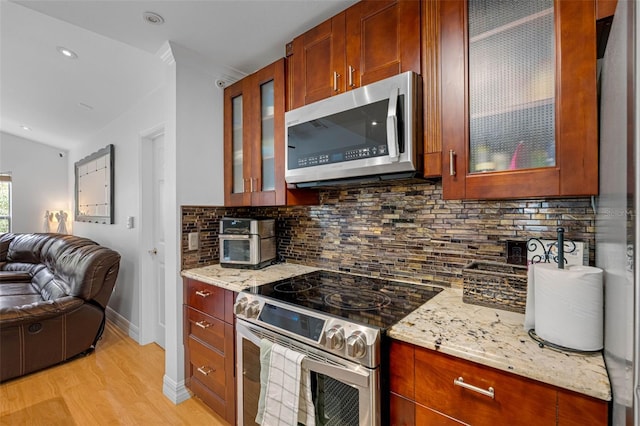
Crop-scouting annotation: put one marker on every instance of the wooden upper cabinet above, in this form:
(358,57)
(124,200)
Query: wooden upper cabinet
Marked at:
(383,39)
(316,54)
(254,142)
(431,105)
(605,8)
(519,100)
(368,42)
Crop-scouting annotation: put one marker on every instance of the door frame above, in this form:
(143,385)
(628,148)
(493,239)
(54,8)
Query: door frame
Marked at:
(146,288)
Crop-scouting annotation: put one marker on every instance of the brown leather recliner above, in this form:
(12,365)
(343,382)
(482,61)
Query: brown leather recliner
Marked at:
(54,289)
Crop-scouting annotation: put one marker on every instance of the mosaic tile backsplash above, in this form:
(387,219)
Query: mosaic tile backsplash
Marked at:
(402,231)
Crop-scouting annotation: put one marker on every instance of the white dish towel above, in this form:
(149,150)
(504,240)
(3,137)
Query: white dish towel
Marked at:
(285,393)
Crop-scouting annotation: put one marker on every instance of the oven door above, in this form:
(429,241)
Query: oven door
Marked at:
(344,393)
(239,249)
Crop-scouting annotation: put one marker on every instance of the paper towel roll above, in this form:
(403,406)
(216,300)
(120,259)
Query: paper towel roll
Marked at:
(566,306)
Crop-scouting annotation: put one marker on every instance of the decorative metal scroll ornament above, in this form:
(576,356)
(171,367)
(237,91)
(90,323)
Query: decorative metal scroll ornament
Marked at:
(550,250)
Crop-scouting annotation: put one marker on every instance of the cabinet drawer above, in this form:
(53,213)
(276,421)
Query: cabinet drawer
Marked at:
(206,328)
(427,416)
(217,404)
(516,400)
(207,366)
(206,298)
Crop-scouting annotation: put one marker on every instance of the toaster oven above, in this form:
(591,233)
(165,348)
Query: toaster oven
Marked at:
(247,243)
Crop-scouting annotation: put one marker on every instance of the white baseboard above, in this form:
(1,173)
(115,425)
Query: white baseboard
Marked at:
(176,392)
(123,324)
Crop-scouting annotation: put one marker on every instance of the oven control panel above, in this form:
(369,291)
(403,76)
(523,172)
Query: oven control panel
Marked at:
(350,340)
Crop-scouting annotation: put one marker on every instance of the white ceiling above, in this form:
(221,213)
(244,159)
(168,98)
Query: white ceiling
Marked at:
(118,60)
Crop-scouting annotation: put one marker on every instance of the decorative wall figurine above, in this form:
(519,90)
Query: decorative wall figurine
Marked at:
(48,216)
(62,221)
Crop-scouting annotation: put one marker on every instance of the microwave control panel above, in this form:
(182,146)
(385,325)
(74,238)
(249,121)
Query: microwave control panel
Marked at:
(346,155)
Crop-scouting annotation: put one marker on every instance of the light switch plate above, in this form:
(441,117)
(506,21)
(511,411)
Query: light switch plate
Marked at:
(193,241)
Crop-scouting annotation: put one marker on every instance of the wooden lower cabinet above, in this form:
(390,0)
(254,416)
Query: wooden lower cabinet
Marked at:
(578,410)
(209,344)
(423,392)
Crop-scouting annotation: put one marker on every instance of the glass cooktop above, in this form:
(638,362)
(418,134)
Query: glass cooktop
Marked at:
(366,300)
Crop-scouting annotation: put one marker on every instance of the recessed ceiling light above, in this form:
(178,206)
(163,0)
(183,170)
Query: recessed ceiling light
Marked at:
(85,106)
(67,53)
(153,18)
(28,129)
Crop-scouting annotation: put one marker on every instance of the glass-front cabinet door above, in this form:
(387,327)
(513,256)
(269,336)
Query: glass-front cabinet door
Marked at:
(237,144)
(267,144)
(511,85)
(267,176)
(254,142)
(237,154)
(519,98)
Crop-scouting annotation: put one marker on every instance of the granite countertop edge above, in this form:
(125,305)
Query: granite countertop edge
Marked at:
(491,337)
(238,279)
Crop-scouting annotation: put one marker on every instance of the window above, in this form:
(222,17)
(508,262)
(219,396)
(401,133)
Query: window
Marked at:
(5,203)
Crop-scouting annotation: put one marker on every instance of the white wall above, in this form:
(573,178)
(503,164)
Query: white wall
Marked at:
(190,108)
(40,181)
(124,134)
(194,176)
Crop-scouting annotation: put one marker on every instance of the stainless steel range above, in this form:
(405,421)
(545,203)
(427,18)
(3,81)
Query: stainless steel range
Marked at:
(339,322)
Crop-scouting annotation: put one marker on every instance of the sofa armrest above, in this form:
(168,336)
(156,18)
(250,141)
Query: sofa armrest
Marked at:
(15,277)
(39,311)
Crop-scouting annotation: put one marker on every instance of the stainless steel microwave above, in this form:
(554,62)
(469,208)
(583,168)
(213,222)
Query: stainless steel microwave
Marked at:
(366,134)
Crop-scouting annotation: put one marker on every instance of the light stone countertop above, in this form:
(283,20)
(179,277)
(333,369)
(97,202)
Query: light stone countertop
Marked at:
(497,338)
(490,337)
(239,279)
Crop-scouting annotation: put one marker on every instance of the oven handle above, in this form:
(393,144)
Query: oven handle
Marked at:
(355,375)
(234,237)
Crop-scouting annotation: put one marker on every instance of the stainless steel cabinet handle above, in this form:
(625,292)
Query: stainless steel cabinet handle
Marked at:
(203,324)
(351,71)
(486,392)
(206,370)
(335,81)
(203,293)
(452,162)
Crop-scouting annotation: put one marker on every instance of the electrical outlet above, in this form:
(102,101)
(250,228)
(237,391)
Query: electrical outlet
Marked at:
(517,252)
(193,241)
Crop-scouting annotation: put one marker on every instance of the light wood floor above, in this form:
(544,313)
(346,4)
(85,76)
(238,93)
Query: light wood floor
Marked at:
(119,384)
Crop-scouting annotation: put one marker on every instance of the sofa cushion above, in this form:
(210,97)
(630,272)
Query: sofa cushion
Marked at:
(5,240)
(18,294)
(14,276)
(17,288)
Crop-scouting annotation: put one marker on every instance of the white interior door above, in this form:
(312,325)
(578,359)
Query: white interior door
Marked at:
(158,252)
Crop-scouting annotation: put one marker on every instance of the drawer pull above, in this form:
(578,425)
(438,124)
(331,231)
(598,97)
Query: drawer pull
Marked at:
(206,370)
(203,293)
(452,162)
(203,324)
(488,392)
